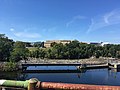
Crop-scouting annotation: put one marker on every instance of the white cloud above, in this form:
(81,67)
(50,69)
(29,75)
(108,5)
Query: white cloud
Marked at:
(52,29)
(74,19)
(11,29)
(25,33)
(108,19)
(107,16)
(113,17)
(30,29)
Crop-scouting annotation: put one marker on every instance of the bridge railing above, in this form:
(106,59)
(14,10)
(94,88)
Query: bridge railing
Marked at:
(11,88)
(34,84)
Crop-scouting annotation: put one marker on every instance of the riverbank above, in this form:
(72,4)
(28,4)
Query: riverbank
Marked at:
(67,61)
(6,66)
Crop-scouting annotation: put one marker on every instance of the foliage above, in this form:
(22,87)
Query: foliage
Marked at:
(5,47)
(32,48)
(15,51)
(28,44)
(20,52)
(10,66)
(37,53)
(38,44)
(77,50)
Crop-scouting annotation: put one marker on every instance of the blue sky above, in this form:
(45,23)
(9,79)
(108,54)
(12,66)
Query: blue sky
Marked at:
(40,20)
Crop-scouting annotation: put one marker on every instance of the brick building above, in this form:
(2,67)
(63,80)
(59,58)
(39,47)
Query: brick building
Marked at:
(48,42)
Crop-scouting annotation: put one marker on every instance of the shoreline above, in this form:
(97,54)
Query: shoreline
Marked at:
(65,61)
(55,61)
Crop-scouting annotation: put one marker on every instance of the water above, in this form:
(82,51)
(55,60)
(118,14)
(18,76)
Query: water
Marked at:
(92,76)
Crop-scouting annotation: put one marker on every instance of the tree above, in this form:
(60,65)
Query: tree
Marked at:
(28,44)
(42,53)
(20,52)
(5,47)
(118,54)
(38,44)
(51,53)
(53,43)
(97,54)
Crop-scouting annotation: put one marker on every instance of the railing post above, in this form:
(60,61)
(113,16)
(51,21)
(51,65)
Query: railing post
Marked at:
(32,84)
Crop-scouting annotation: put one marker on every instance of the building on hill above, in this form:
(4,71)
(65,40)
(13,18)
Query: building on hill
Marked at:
(99,44)
(49,42)
(105,43)
(95,43)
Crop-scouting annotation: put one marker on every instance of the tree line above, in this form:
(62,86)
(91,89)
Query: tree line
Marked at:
(15,51)
(76,50)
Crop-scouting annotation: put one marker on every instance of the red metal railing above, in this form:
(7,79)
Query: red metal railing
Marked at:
(65,86)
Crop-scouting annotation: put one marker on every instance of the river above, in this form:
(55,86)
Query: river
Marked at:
(67,74)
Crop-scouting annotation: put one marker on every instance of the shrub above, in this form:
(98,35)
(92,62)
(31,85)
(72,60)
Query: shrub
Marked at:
(10,66)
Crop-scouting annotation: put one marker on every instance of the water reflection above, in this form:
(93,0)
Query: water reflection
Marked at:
(51,68)
(114,72)
(10,75)
(83,76)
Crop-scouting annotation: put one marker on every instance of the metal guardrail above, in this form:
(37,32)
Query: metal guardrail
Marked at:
(11,88)
(34,84)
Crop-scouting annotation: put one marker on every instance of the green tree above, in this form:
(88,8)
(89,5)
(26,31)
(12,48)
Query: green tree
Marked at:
(51,53)
(20,52)
(118,54)
(38,44)
(42,53)
(5,47)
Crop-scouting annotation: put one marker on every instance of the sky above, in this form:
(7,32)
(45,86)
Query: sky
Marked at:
(41,20)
